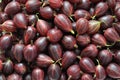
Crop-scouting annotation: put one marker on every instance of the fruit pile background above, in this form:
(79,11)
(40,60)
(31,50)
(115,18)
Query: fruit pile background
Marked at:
(59,39)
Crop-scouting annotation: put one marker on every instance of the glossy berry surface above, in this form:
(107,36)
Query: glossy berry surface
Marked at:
(59,39)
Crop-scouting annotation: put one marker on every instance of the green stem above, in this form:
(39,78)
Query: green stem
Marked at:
(54,13)
(114,17)
(69,77)
(110,45)
(81,72)
(32,42)
(76,46)
(52,61)
(43,4)
(37,15)
(58,60)
(79,57)
(108,49)
(20,41)
(42,0)
(72,15)
(72,32)
(99,47)
(60,63)
(93,17)
(94,76)
(4,32)
(10,33)
(33,24)
(71,19)
(0,1)
(98,61)
(118,41)
(37,34)
(77,35)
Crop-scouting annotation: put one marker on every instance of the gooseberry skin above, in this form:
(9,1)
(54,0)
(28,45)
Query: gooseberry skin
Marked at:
(32,6)
(54,72)
(111,35)
(59,39)
(5,42)
(94,26)
(117,27)
(37,73)
(20,68)
(3,17)
(89,51)
(68,58)
(55,51)
(42,27)
(8,26)
(30,52)
(105,57)
(41,43)
(67,8)
(22,1)
(52,37)
(95,1)
(84,4)
(14,76)
(106,21)
(46,12)
(1,65)
(44,60)
(55,4)
(75,1)
(2,77)
(63,76)
(113,70)
(99,39)
(69,42)
(81,14)
(100,72)
(117,13)
(20,20)
(80,28)
(32,19)
(29,34)
(117,6)
(28,77)
(12,8)
(73,72)
(100,9)
(117,56)
(18,52)
(60,21)
(83,40)
(87,65)
(8,67)
(86,77)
